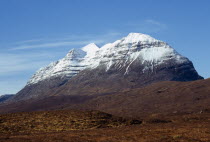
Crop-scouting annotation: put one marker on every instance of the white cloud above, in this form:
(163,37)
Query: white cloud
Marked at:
(68,40)
(156,24)
(54,44)
(29,41)
(15,63)
(147,26)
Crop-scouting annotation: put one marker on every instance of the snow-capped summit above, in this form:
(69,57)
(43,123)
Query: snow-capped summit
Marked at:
(138,47)
(138,37)
(135,49)
(90,49)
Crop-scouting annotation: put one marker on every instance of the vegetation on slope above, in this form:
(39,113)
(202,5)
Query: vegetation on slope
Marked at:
(55,121)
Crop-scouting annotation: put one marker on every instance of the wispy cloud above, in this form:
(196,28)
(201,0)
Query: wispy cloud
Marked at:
(68,40)
(147,26)
(16,63)
(55,44)
(157,25)
(29,41)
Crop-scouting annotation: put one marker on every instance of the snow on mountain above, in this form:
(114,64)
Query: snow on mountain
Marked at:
(90,49)
(138,37)
(136,46)
(119,54)
(69,66)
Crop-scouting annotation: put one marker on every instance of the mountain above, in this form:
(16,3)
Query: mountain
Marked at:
(131,62)
(5,97)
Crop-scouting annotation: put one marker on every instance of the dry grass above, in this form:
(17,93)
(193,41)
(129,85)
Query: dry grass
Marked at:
(155,128)
(57,121)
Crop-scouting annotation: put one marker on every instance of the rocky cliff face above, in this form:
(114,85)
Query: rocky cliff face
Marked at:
(133,61)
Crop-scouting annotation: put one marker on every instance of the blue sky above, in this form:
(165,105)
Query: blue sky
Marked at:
(34,33)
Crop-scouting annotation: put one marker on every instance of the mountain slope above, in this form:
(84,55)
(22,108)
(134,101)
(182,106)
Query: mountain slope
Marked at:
(158,98)
(5,97)
(168,97)
(134,61)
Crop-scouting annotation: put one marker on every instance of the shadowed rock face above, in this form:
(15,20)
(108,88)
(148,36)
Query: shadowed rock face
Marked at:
(134,61)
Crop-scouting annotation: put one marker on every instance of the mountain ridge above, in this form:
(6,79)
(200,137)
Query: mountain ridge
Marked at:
(131,62)
(79,56)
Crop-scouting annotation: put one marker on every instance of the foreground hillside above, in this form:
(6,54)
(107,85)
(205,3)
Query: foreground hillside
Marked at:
(159,98)
(74,126)
(162,97)
(162,112)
